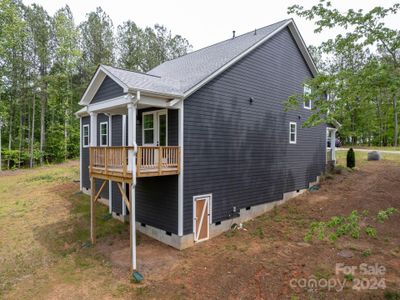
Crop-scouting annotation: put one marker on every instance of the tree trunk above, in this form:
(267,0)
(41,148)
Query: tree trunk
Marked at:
(42,124)
(32,131)
(396,123)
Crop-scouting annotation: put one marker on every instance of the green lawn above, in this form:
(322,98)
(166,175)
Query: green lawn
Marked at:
(388,148)
(361,157)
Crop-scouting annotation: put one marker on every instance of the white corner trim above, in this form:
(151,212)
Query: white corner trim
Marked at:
(290,133)
(80,152)
(181,174)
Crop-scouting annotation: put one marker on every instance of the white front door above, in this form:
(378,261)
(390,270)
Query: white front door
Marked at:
(155,128)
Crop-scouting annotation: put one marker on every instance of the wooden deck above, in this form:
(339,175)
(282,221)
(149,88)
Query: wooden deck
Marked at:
(112,163)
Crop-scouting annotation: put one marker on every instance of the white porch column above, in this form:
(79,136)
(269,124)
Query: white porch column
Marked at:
(180,176)
(93,129)
(132,162)
(110,181)
(333,145)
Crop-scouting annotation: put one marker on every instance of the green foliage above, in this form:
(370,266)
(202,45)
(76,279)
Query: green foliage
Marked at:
(359,75)
(46,64)
(350,159)
(370,231)
(335,228)
(366,253)
(383,215)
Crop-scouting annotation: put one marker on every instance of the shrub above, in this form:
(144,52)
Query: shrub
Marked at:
(351,159)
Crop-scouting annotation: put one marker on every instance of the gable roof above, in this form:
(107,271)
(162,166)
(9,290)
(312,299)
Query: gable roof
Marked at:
(182,76)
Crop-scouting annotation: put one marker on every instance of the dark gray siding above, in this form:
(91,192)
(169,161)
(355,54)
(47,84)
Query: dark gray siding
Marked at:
(240,152)
(85,156)
(116,141)
(157,202)
(157,197)
(108,89)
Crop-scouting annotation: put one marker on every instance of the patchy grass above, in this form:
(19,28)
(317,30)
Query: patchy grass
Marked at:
(361,158)
(44,225)
(45,251)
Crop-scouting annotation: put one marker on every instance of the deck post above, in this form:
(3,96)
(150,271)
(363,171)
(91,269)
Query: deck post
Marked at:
(132,110)
(93,143)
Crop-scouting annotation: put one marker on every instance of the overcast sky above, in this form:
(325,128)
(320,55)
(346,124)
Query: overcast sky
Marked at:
(206,22)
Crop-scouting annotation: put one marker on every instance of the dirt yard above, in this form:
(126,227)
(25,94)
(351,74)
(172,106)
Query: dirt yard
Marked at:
(45,254)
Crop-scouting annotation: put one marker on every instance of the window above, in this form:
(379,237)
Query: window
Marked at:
(148,128)
(104,134)
(85,136)
(307,102)
(292,132)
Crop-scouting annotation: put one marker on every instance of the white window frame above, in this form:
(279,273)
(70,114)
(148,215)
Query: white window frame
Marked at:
(156,114)
(307,91)
(290,133)
(101,134)
(83,136)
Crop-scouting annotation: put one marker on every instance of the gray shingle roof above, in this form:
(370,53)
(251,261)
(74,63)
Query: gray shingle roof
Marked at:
(192,68)
(177,76)
(145,82)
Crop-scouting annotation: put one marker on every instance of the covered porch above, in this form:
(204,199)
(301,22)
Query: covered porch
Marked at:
(148,144)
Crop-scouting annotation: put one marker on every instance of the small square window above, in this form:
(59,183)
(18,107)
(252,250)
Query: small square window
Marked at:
(85,136)
(292,132)
(104,134)
(307,102)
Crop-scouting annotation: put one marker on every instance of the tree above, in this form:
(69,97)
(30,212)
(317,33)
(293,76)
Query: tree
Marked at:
(349,72)
(40,29)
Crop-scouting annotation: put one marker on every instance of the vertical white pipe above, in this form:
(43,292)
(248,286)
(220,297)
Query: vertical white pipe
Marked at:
(132,162)
(123,144)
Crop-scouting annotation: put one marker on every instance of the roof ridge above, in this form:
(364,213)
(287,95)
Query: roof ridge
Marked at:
(220,42)
(137,72)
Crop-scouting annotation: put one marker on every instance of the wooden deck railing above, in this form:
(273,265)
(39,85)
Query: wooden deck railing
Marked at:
(113,162)
(157,161)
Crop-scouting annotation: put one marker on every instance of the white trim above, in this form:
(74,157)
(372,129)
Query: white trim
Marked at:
(297,37)
(123,144)
(102,71)
(83,135)
(80,153)
(208,198)
(156,128)
(120,101)
(290,133)
(101,134)
(96,82)
(307,91)
(93,129)
(180,176)
(110,181)
(303,47)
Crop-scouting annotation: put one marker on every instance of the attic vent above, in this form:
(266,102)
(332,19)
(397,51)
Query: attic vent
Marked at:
(233,34)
